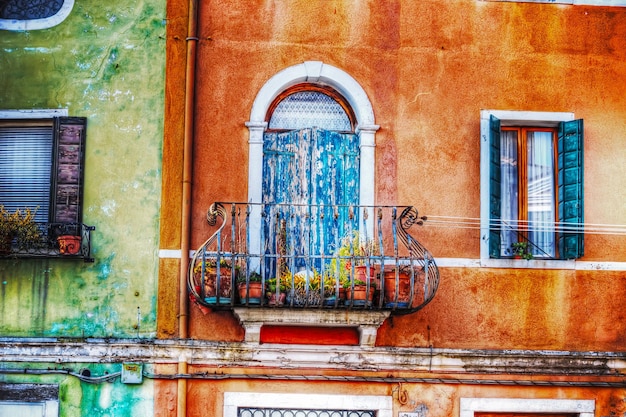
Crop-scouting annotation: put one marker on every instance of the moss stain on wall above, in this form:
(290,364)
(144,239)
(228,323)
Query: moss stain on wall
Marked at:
(105,62)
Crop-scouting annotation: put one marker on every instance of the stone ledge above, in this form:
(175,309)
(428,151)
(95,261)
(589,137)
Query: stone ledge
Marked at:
(366,321)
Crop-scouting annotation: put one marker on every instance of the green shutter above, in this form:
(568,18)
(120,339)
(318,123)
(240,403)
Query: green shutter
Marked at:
(495,193)
(571,209)
(68,169)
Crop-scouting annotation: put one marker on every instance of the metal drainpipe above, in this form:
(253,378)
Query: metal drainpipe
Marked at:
(183,308)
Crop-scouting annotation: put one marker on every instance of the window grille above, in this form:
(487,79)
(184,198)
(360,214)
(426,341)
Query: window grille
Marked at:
(310,109)
(29,9)
(290,412)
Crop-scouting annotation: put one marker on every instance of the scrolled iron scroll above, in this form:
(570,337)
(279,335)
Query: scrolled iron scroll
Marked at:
(216,210)
(420,254)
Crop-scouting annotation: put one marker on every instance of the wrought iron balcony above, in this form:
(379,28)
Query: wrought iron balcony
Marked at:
(50,240)
(308,256)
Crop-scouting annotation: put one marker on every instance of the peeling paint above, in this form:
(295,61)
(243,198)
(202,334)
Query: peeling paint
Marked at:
(105,62)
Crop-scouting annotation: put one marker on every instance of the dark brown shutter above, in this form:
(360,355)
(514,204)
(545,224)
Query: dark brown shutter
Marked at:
(68,169)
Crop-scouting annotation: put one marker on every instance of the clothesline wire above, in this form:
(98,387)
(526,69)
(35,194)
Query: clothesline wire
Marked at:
(458,222)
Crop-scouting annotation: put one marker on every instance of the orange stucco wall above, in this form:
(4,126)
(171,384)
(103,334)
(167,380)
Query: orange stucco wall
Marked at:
(428,68)
(439,399)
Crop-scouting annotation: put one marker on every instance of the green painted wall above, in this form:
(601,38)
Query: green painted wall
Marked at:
(105,62)
(90,396)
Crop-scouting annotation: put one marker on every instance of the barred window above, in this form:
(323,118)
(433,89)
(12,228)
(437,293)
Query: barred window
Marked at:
(33,14)
(309,105)
(29,9)
(291,412)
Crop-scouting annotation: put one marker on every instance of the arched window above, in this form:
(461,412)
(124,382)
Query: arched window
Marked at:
(311,144)
(308,105)
(33,14)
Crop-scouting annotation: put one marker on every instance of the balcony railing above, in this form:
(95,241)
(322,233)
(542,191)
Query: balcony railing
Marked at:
(54,240)
(308,256)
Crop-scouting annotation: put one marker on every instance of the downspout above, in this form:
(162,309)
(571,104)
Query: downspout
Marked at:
(185,233)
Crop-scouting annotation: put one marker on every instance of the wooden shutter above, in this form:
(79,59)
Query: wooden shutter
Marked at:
(570,189)
(311,167)
(495,192)
(334,181)
(68,169)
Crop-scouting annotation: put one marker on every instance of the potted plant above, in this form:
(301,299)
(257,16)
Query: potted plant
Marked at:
(522,250)
(305,290)
(354,257)
(216,284)
(334,291)
(21,226)
(69,244)
(399,296)
(250,288)
(360,294)
(276,292)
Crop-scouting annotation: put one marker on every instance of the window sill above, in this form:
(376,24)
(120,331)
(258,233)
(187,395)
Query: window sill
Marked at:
(56,241)
(530,264)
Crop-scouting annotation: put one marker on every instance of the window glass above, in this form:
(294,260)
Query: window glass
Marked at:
(33,14)
(528,208)
(29,9)
(541,192)
(309,109)
(510,190)
(22,409)
(25,164)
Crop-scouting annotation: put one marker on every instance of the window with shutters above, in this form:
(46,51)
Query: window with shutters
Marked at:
(41,169)
(33,14)
(532,185)
(573,2)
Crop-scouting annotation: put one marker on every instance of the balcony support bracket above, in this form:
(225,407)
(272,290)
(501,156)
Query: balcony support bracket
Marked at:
(368,322)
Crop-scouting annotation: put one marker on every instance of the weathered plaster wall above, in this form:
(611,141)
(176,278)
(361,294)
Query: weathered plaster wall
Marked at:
(432,400)
(428,68)
(105,62)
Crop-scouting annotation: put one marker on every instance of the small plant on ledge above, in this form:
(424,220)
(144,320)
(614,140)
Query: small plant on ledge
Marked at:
(19,224)
(522,250)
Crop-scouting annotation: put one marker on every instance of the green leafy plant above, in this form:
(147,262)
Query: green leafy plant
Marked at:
(358,282)
(353,248)
(210,267)
(522,249)
(254,277)
(19,224)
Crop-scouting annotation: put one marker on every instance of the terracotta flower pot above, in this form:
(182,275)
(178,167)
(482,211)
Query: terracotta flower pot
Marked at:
(254,292)
(210,286)
(359,295)
(273,300)
(401,297)
(69,244)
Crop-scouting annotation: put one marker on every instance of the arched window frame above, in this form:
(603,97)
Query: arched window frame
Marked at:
(313,72)
(37,24)
(329,91)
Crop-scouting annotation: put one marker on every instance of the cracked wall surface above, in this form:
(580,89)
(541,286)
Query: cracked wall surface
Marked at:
(105,62)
